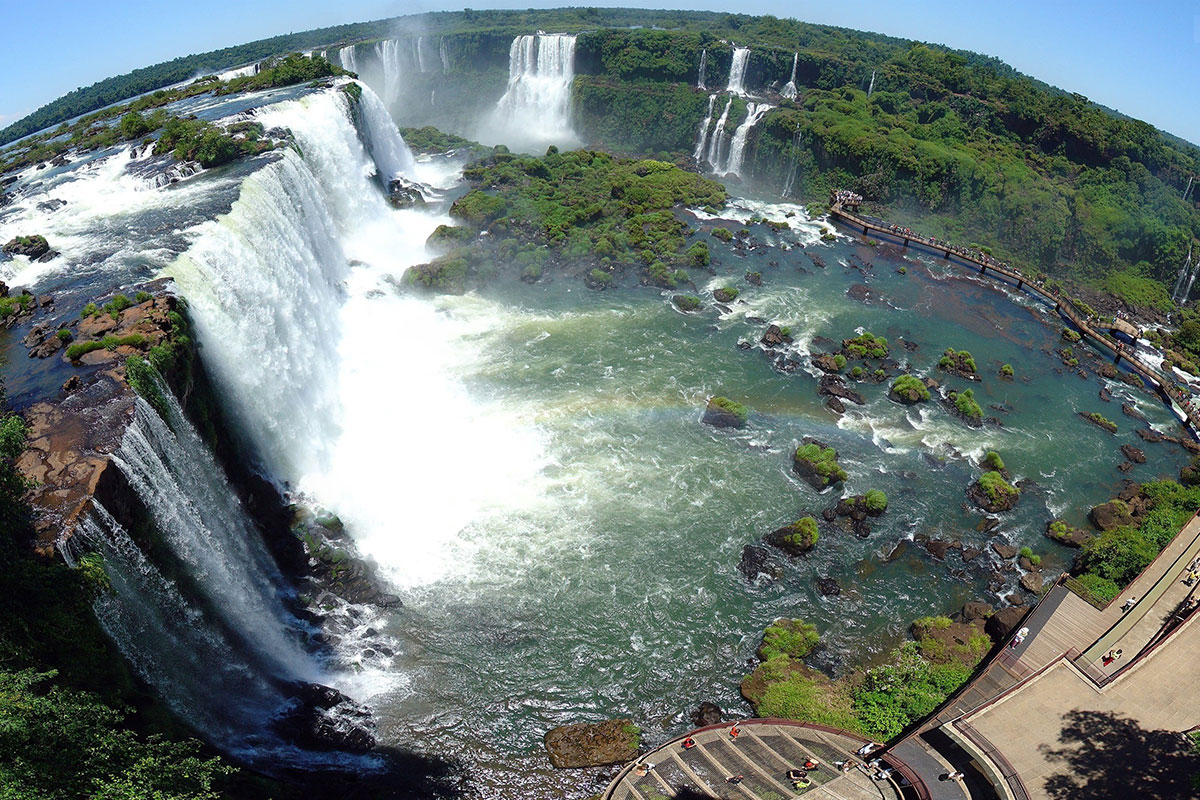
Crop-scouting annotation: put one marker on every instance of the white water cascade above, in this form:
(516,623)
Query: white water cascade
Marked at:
(348,59)
(703,69)
(445,59)
(793,165)
(702,139)
(718,136)
(737,71)
(536,108)
(789,89)
(387,149)
(737,146)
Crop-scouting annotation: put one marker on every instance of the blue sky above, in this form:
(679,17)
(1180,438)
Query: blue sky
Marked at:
(1141,58)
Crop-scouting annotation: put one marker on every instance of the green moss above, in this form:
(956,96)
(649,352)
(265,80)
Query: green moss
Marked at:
(686,302)
(723,234)
(726,294)
(823,461)
(80,349)
(803,533)
(14,305)
(997,489)
(478,207)
(64,335)
(449,236)
(144,379)
(910,387)
(599,279)
(1006,371)
(875,501)
(993,461)
(839,360)
(730,407)
(793,638)
(967,406)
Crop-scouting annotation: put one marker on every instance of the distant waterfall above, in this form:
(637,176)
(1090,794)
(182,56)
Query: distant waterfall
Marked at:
(793,165)
(702,139)
(789,89)
(718,136)
(737,70)
(703,69)
(737,146)
(348,59)
(871,88)
(442,54)
(535,110)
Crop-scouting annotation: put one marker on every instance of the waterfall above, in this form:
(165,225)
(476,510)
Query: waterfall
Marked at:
(703,69)
(789,89)
(347,59)
(703,137)
(737,70)
(737,146)
(718,136)
(264,280)
(419,51)
(442,54)
(793,165)
(871,88)
(387,54)
(387,149)
(535,109)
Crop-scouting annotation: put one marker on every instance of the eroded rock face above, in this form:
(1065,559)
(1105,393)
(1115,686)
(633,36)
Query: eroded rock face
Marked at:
(1112,514)
(1004,622)
(707,714)
(834,386)
(613,741)
(404,194)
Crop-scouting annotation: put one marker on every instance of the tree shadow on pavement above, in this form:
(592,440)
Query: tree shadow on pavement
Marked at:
(1110,757)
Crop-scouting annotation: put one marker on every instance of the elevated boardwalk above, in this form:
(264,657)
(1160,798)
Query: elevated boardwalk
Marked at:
(1171,393)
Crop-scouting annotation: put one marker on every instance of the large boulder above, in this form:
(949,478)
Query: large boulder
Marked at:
(707,714)
(613,741)
(1032,582)
(404,194)
(320,717)
(834,386)
(32,247)
(725,413)
(1113,514)
(1004,622)
(1066,534)
(795,539)
(757,560)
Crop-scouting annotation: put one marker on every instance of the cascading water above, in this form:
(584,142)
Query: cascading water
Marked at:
(389,152)
(718,136)
(702,139)
(793,165)
(737,146)
(703,69)
(789,89)
(442,54)
(737,70)
(535,109)
(347,58)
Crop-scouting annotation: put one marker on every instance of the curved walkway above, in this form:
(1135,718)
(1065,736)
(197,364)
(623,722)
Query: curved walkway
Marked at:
(1171,392)
(762,754)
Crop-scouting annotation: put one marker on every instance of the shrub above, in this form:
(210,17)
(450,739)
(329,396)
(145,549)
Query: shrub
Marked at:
(118,304)
(822,460)
(1026,552)
(64,335)
(911,387)
(686,302)
(996,488)
(730,407)
(1007,370)
(698,255)
(840,361)
(90,310)
(857,371)
(80,349)
(1118,555)
(875,501)
(726,294)
(804,533)
(793,638)
(993,461)
(1070,335)
(598,278)
(1100,588)
(965,403)
(723,234)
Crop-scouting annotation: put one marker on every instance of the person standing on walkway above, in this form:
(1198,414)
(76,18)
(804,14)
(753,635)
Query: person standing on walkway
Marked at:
(1128,604)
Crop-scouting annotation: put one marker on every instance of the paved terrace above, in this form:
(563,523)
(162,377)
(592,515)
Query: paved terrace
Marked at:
(762,754)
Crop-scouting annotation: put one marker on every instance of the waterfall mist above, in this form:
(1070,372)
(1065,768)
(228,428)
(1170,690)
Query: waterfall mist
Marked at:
(535,110)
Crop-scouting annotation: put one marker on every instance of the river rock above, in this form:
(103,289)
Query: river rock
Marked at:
(757,560)
(754,278)
(720,416)
(322,718)
(774,337)
(613,741)
(791,540)
(826,362)
(404,194)
(1032,582)
(834,386)
(1149,435)
(724,295)
(1133,454)
(938,548)
(863,294)
(1004,622)
(1006,501)
(1113,514)
(835,405)
(1104,395)
(32,247)
(976,610)
(707,714)
(1066,534)
(1005,551)
(1128,410)
(828,587)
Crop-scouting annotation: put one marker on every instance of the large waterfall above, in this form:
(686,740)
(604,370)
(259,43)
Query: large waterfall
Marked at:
(703,69)
(702,139)
(737,70)
(718,136)
(737,146)
(536,107)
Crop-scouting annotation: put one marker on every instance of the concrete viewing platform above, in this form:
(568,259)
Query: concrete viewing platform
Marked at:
(762,753)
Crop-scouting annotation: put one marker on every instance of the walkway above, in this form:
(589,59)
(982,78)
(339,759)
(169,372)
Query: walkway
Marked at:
(1171,392)
(762,754)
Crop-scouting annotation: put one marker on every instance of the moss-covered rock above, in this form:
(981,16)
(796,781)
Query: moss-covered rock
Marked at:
(725,413)
(725,294)
(1099,420)
(614,741)
(909,390)
(818,464)
(795,539)
(686,302)
(865,345)
(993,494)
(445,275)
(958,362)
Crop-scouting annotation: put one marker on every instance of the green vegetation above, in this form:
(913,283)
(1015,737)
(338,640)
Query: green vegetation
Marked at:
(1071,335)
(910,388)
(686,302)
(822,461)
(730,407)
(725,294)
(1119,555)
(911,687)
(998,490)
(959,361)
(857,372)
(81,349)
(993,461)
(866,346)
(142,297)
(1027,552)
(64,335)
(585,207)
(839,361)
(802,534)
(723,234)
(15,305)
(875,501)
(431,140)
(206,143)
(966,405)
(285,70)
(793,638)
(1006,371)
(1099,419)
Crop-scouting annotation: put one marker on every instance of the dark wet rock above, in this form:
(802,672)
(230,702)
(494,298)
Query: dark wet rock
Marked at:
(1001,408)
(613,741)
(861,528)
(970,553)
(1104,395)
(989,524)
(897,550)
(1001,624)
(32,247)
(818,472)
(707,714)
(828,587)
(1099,421)
(1032,582)
(1113,514)
(1002,500)
(71,384)
(725,294)
(796,539)
(757,560)
(322,718)
(863,294)
(1128,410)
(1125,466)
(754,278)
(723,413)
(1005,551)
(907,345)
(938,548)
(835,405)
(834,386)
(816,259)
(826,362)
(1149,435)
(774,336)
(976,610)
(404,194)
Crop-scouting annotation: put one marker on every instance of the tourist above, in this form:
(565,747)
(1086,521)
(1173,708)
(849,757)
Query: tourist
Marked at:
(1019,638)
(811,764)
(1109,657)
(641,770)
(951,776)
(867,749)
(689,743)
(735,779)
(795,774)
(1128,604)
(1192,577)
(735,731)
